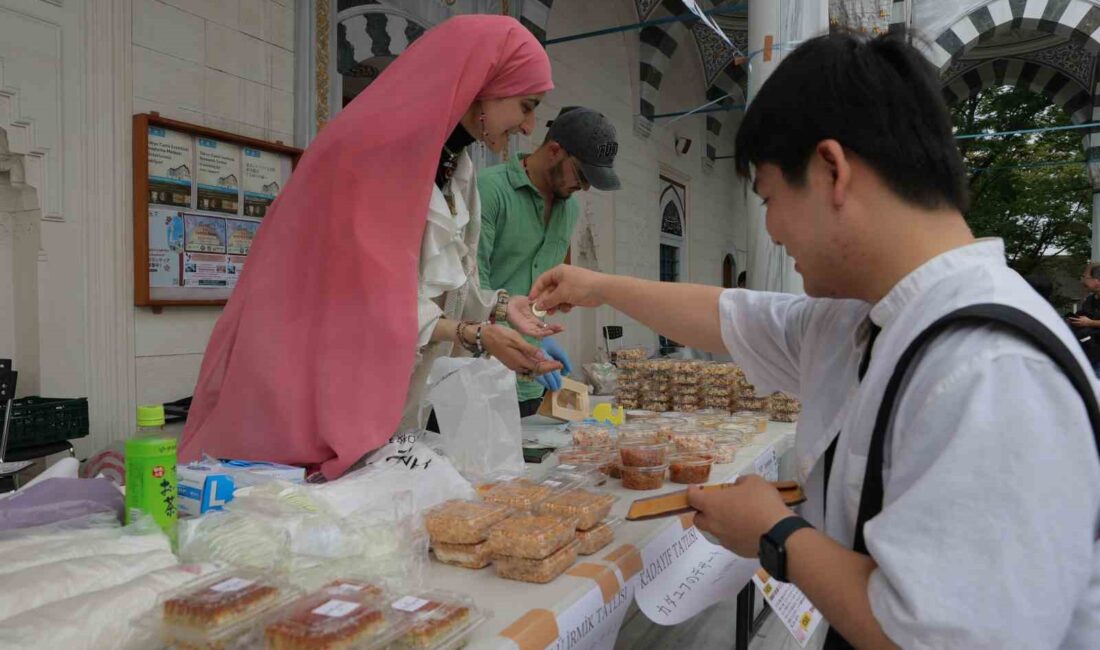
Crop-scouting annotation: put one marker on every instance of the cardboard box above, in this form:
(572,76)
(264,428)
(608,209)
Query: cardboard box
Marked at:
(206,486)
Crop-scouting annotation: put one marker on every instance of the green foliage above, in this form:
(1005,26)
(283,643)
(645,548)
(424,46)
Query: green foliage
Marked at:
(1017,192)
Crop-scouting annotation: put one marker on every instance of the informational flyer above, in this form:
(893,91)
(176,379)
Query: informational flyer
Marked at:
(234,268)
(263,178)
(171,160)
(204,234)
(205,270)
(240,233)
(165,247)
(219,174)
(767,464)
(792,607)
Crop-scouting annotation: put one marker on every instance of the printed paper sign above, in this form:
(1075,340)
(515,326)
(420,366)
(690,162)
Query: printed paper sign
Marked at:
(204,270)
(233,269)
(171,159)
(240,234)
(767,464)
(165,246)
(263,178)
(683,574)
(592,624)
(792,607)
(219,173)
(203,234)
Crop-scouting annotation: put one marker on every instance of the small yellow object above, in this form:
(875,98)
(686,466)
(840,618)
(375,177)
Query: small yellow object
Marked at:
(604,413)
(804,622)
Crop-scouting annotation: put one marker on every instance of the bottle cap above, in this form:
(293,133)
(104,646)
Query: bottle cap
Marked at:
(150,416)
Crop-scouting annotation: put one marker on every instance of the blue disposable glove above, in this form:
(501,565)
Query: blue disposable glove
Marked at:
(552,380)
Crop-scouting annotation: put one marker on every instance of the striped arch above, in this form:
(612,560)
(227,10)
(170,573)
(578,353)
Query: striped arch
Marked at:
(1077,20)
(1060,89)
(657,44)
(535,16)
(372,31)
(731,81)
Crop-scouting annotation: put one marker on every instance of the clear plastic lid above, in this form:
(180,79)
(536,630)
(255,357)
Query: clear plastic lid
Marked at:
(690,468)
(531,536)
(587,507)
(218,609)
(436,619)
(588,434)
(643,453)
(640,414)
(592,540)
(335,616)
(463,522)
(469,556)
(538,571)
(693,439)
(520,493)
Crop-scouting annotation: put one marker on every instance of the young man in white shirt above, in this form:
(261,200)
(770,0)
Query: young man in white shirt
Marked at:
(987,536)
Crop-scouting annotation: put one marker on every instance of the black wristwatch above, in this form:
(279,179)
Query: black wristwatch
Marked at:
(773,549)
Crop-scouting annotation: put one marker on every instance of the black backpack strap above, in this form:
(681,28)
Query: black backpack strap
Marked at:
(870,501)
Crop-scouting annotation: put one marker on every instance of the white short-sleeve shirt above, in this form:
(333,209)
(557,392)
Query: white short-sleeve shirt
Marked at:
(988,533)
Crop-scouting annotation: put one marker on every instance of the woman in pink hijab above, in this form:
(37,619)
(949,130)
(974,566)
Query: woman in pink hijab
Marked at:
(364,270)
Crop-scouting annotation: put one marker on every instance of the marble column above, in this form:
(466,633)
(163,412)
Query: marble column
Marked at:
(775,28)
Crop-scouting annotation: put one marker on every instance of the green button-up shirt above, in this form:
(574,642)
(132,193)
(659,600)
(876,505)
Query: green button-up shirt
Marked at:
(517,245)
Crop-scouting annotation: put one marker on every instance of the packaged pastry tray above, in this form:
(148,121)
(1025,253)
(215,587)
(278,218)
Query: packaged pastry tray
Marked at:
(467,556)
(537,571)
(587,507)
(599,536)
(217,610)
(463,522)
(436,619)
(342,614)
(531,536)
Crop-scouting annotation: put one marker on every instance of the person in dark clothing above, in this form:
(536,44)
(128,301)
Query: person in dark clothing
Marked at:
(1042,285)
(1085,321)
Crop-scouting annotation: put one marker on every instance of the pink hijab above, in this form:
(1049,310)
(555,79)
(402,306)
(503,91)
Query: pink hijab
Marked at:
(311,360)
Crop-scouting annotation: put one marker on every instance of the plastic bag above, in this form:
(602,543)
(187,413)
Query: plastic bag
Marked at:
(478,413)
(604,377)
(60,499)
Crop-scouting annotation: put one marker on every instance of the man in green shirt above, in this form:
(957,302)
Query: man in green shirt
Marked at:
(528,214)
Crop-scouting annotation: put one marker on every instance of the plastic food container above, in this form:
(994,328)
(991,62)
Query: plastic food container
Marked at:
(643,453)
(463,522)
(435,619)
(538,571)
(217,610)
(689,440)
(531,536)
(644,478)
(725,449)
(640,414)
(467,556)
(784,417)
(589,434)
(655,406)
(753,403)
(690,468)
(753,417)
(520,494)
(587,508)
(592,540)
(332,618)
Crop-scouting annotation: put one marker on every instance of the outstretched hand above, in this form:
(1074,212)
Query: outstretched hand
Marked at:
(524,321)
(564,287)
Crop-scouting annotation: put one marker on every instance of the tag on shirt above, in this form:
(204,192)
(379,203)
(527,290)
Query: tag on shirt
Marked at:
(792,607)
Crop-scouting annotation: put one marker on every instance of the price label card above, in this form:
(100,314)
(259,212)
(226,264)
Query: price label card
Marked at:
(409,603)
(792,607)
(767,464)
(232,584)
(336,608)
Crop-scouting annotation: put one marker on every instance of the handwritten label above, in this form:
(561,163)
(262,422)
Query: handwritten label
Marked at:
(792,607)
(683,574)
(336,608)
(767,464)
(232,584)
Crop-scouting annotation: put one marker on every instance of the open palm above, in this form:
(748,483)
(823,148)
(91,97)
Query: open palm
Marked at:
(525,322)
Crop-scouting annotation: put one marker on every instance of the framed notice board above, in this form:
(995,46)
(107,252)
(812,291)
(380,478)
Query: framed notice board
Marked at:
(200,195)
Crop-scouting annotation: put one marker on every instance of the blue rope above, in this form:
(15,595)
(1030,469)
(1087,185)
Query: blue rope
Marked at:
(971,136)
(738,8)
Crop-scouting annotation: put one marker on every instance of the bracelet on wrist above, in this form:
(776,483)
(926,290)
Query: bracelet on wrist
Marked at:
(500,310)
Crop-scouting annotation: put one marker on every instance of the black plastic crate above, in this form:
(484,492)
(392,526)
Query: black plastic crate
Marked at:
(44,420)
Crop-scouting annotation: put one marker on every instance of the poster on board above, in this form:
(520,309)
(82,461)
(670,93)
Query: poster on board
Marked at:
(205,270)
(165,247)
(171,160)
(240,233)
(264,174)
(204,234)
(219,173)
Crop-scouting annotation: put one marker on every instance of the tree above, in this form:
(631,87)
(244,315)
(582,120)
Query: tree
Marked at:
(1021,190)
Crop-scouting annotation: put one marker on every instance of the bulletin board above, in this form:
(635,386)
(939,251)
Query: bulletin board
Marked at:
(200,195)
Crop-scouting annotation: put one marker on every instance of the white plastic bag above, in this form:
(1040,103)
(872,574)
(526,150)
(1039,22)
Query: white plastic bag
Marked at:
(478,413)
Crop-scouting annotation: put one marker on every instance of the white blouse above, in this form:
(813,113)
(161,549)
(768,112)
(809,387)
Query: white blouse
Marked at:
(449,285)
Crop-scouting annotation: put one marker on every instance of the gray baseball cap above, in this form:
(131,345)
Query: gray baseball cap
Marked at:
(589,137)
